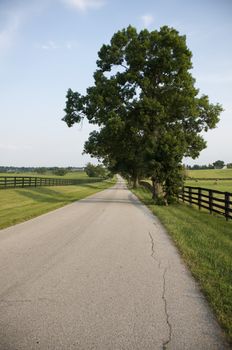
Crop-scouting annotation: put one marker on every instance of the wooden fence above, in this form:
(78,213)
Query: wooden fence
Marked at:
(215,201)
(30,181)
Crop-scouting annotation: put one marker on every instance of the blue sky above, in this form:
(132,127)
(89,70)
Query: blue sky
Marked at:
(48,46)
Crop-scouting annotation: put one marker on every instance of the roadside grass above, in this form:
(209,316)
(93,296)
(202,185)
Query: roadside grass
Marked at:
(205,243)
(210,173)
(21,204)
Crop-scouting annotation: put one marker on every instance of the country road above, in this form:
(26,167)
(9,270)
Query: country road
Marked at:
(101,274)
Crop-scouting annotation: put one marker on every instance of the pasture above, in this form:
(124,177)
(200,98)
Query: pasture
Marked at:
(20,204)
(210,173)
(210,178)
(69,175)
(219,185)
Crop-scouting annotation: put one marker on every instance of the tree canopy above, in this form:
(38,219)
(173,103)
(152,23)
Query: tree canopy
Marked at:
(97,171)
(60,171)
(146,106)
(219,164)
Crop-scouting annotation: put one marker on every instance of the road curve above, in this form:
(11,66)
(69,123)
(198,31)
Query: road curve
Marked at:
(101,274)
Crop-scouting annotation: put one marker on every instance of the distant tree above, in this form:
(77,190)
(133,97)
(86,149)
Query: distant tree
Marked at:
(199,167)
(196,167)
(96,171)
(41,170)
(90,170)
(205,166)
(60,171)
(101,171)
(229,165)
(146,107)
(219,164)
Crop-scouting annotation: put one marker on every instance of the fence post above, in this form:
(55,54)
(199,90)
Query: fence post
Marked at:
(210,201)
(227,205)
(183,193)
(5,181)
(14,181)
(22,181)
(199,198)
(35,181)
(190,195)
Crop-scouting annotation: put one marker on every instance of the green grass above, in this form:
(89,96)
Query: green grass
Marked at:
(205,243)
(219,185)
(210,173)
(69,175)
(20,204)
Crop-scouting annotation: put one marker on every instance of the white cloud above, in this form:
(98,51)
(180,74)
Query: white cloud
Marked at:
(15,17)
(52,45)
(147,20)
(84,5)
(71,44)
(9,32)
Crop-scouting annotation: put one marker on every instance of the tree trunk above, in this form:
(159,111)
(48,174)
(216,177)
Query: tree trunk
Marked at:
(135,181)
(157,189)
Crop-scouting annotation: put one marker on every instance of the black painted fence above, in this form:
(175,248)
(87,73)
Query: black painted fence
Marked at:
(215,201)
(30,181)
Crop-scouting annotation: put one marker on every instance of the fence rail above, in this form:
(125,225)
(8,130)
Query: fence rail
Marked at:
(215,201)
(30,181)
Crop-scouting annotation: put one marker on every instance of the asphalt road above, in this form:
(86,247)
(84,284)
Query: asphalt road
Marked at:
(99,274)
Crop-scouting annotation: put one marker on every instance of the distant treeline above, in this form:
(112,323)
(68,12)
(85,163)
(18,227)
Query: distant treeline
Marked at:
(38,170)
(219,164)
(198,167)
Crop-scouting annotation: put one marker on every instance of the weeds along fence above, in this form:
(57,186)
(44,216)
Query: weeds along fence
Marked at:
(214,201)
(204,198)
(30,181)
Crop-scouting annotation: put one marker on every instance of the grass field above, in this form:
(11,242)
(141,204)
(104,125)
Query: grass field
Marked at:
(210,173)
(69,175)
(205,243)
(220,185)
(17,205)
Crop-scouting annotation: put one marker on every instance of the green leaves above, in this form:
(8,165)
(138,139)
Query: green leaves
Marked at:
(74,108)
(146,105)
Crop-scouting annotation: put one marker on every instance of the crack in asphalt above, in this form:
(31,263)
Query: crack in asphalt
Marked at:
(165,344)
(153,255)
(153,250)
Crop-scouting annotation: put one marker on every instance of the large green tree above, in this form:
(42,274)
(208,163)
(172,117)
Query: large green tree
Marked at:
(219,164)
(148,112)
